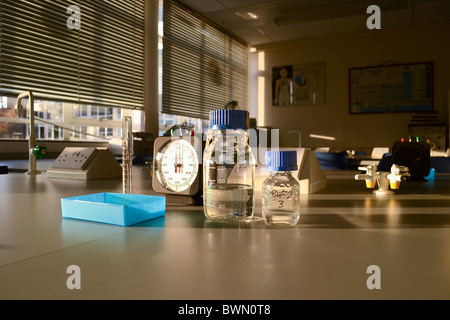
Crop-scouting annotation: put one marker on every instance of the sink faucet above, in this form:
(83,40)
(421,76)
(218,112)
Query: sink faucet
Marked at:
(33,149)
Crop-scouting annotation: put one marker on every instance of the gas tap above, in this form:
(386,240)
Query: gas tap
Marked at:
(398,173)
(370,176)
(383,179)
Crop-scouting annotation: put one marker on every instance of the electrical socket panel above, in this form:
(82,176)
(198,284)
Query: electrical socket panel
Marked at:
(85,164)
(74,158)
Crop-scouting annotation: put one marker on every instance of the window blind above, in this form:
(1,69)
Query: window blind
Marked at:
(204,66)
(101,63)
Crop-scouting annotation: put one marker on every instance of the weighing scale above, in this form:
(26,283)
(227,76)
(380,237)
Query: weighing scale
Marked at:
(176,168)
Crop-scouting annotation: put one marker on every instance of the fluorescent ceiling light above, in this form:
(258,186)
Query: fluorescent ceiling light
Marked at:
(246,15)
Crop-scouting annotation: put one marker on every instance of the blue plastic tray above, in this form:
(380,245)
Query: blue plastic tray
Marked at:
(114,208)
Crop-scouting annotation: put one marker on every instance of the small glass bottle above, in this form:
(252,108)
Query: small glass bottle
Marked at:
(281,191)
(228,168)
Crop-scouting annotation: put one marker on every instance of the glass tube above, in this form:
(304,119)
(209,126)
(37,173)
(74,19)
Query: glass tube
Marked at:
(127,154)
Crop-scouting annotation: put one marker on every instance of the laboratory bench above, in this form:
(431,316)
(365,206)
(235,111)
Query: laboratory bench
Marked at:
(344,230)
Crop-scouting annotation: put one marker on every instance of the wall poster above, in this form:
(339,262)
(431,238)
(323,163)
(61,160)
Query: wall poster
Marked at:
(301,84)
(391,88)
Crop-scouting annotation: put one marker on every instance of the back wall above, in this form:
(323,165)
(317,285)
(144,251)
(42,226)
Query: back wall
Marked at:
(418,43)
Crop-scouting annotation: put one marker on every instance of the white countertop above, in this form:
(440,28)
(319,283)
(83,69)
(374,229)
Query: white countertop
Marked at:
(343,230)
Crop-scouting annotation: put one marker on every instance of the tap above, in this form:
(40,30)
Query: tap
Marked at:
(398,173)
(33,150)
(370,176)
(383,179)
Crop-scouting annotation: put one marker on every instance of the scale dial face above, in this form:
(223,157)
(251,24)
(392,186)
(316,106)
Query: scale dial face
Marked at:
(176,166)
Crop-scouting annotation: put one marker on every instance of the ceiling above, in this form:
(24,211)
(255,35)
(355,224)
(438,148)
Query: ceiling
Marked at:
(268,21)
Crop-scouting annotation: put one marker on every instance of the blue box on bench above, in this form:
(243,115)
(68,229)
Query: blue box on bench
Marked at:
(114,208)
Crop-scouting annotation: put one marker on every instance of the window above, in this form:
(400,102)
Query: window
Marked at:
(204,66)
(84,79)
(85,122)
(168,121)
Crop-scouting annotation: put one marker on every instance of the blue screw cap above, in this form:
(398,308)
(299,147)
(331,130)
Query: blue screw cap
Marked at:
(281,160)
(223,119)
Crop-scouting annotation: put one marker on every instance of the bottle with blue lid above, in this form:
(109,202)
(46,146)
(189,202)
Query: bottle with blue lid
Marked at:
(281,191)
(228,168)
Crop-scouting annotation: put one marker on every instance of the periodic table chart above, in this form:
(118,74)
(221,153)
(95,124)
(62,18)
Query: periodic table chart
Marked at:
(392,88)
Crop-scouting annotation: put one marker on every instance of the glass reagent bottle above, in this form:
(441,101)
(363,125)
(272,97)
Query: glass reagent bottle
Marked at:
(228,168)
(281,191)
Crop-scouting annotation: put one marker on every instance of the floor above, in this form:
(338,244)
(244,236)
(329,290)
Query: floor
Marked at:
(344,231)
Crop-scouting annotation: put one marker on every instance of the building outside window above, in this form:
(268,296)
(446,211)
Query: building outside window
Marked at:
(96,122)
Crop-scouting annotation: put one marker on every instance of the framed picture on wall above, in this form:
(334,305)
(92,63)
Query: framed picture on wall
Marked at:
(300,84)
(282,86)
(391,88)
